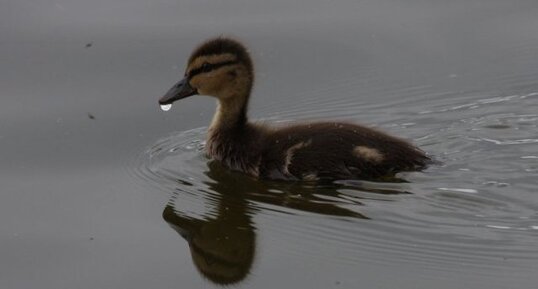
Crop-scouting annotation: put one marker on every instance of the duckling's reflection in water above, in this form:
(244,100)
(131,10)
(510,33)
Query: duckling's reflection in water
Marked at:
(223,247)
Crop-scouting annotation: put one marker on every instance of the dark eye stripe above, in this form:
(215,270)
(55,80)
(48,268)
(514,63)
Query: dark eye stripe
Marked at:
(211,66)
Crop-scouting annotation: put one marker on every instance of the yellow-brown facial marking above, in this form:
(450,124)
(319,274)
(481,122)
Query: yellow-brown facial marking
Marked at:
(368,154)
(219,75)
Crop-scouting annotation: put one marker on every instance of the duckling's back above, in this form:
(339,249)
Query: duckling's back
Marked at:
(334,150)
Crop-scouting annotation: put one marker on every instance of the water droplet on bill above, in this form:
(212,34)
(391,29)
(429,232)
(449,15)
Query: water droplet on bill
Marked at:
(166,107)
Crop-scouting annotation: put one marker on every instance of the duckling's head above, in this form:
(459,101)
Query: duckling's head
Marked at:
(220,67)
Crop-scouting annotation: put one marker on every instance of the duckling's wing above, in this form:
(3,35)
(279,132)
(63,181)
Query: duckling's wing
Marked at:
(336,151)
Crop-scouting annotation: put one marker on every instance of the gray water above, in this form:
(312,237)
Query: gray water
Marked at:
(102,189)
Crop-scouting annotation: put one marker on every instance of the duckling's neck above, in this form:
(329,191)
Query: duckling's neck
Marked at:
(232,140)
(231,113)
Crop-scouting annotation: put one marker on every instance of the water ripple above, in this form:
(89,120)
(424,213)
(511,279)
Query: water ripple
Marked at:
(475,209)
(450,215)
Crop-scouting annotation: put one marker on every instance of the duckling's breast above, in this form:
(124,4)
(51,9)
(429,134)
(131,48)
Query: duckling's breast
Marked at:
(238,148)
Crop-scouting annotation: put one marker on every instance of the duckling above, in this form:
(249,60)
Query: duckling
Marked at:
(222,68)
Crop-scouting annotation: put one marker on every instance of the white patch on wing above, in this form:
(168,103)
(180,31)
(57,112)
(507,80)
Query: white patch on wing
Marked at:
(368,154)
(290,152)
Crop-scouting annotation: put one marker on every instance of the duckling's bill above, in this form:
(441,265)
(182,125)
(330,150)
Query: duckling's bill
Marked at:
(180,90)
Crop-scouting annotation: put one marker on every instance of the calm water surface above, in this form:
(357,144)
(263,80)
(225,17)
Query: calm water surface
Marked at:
(101,189)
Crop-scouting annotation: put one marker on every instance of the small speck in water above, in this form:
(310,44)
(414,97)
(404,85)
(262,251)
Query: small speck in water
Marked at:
(166,107)
(91,116)
(89,44)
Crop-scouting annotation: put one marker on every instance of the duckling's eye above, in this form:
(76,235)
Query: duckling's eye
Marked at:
(206,67)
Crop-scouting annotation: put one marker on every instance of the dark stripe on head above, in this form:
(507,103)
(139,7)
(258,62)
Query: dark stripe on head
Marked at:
(206,67)
(219,46)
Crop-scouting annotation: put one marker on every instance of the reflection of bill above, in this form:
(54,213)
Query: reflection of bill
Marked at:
(223,247)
